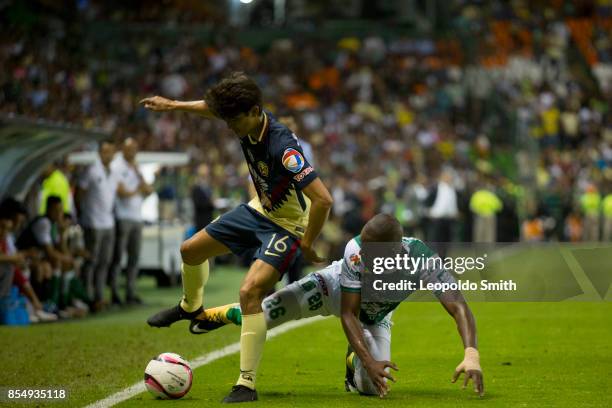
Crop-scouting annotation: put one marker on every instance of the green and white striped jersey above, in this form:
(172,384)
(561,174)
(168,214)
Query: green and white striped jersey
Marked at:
(351,276)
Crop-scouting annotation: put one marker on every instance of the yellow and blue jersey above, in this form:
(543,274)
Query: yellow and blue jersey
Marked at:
(279,170)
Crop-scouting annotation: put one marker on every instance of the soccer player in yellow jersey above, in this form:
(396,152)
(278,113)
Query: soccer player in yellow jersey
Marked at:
(287,215)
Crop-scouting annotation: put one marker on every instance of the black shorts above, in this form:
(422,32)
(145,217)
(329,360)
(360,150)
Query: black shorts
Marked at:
(244,229)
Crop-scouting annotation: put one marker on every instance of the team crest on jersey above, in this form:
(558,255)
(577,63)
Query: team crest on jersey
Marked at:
(263,168)
(355,259)
(293,160)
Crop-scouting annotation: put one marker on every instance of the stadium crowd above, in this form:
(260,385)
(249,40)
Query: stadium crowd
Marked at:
(495,134)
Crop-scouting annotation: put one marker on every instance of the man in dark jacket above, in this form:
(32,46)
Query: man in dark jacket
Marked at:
(201,195)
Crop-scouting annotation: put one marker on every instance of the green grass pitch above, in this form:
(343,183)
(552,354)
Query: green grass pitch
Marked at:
(533,354)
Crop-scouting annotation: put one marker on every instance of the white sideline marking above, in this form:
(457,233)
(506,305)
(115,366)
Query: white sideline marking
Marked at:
(139,387)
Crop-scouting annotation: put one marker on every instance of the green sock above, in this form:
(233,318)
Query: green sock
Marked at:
(55,285)
(234,315)
(77,290)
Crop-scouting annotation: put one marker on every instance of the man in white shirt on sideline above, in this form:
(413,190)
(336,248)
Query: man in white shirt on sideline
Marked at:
(131,192)
(443,211)
(97,188)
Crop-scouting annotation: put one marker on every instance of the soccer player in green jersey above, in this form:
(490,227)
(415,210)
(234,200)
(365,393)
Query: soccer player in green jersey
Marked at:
(336,290)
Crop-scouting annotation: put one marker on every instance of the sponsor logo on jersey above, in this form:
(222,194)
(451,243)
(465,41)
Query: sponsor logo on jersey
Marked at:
(293,160)
(304,173)
(322,283)
(263,168)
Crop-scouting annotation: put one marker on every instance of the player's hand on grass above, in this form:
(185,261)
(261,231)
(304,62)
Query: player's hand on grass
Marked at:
(475,375)
(470,367)
(157,103)
(378,374)
(311,255)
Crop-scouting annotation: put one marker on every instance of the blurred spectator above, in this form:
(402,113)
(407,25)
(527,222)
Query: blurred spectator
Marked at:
(43,235)
(569,126)
(17,213)
(508,222)
(166,186)
(532,229)
(590,202)
(16,262)
(573,229)
(74,294)
(96,192)
(131,191)
(202,198)
(352,219)
(485,205)
(606,206)
(550,121)
(8,260)
(443,209)
(56,183)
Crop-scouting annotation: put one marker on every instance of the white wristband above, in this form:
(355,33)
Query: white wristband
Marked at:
(472,359)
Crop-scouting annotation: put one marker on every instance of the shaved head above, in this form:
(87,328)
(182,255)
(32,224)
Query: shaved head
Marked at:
(382,228)
(130,149)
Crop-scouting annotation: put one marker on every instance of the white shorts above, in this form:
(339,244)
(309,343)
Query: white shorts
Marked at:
(319,294)
(316,294)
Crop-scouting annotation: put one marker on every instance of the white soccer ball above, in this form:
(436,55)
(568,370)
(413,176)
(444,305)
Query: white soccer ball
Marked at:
(168,376)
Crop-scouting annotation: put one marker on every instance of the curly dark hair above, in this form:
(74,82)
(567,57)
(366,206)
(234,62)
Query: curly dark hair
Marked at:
(11,207)
(233,95)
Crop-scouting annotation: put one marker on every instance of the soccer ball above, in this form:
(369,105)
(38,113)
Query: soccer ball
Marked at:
(168,376)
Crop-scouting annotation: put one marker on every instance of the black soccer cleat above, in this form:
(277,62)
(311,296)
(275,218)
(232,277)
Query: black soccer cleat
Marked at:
(166,317)
(240,393)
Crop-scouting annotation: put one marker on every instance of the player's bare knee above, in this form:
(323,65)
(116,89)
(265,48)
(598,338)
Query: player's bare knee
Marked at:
(186,252)
(189,254)
(250,298)
(250,293)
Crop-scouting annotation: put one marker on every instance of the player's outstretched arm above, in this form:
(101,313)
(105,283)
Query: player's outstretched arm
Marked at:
(350,306)
(320,204)
(161,104)
(456,306)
